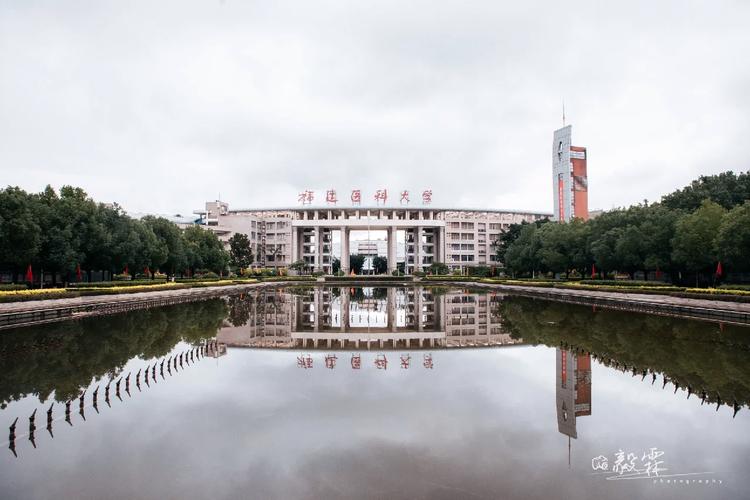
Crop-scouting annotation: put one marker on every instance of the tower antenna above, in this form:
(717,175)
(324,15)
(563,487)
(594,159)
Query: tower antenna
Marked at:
(563,112)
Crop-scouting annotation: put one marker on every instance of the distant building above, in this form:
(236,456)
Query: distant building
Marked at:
(569,177)
(417,236)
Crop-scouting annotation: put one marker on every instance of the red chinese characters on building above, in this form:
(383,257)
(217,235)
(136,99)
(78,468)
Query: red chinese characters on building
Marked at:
(404,197)
(405,361)
(427,361)
(426,196)
(306,197)
(304,361)
(381,196)
(356,362)
(331,197)
(356,196)
(330,361)
(381,362)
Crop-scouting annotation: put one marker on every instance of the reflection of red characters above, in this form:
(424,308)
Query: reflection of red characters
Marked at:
(330,360)
(427,196)
(405,197)
(427,362)
(405,361)
(356,362)
(381,362)
(356,196)
(304,362)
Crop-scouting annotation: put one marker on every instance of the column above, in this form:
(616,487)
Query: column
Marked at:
(418,248)
(295,256)
(318,249)
(392,249)
(440,245)
(344,299)
(345,250)
(418,298)
(391,308)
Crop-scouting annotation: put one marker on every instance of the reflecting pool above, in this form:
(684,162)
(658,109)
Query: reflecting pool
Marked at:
(376,393)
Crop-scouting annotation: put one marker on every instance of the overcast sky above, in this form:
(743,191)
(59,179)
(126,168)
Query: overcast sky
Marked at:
(161,106)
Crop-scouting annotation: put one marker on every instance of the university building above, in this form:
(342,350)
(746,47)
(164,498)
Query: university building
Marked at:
(418,235)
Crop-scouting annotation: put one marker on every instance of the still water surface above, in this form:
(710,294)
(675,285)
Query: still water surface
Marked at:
(377,393)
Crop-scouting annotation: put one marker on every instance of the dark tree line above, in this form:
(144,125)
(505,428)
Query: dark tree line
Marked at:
(687,234)
(57,232)
(676,347)
(64,358)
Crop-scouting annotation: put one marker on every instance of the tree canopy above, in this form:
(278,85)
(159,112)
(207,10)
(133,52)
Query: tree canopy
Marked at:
(682,235)
(57,232)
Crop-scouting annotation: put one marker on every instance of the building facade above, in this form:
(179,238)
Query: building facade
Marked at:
(279,237)
(569,177)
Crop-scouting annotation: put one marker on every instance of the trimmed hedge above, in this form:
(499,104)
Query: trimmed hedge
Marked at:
(625,283)
(286,278)
(12,287)
(109,284)
(38,294)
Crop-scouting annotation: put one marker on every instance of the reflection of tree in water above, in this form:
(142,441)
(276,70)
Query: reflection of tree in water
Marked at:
(696,355)
(64,357)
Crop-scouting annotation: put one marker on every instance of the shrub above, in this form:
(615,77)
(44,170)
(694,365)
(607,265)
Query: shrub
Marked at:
(205,274)
(12,287)
(624,282)
(735,287)
(108,284)
(420,274)
(397,273)
(38,294)
(481,271)
(122,277)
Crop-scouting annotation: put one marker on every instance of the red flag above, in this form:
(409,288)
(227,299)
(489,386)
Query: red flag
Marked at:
(658,273)
(719,270)
(147,271)
(593,271)
(125,271)
(78,272)
(29,275)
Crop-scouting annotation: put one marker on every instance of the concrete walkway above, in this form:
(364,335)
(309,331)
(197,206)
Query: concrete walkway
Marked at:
(15,314)
(738,312)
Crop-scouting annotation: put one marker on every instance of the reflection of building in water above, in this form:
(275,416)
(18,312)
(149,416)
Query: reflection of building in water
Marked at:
(354,318)
(263,319)
(473,319)
(573,390)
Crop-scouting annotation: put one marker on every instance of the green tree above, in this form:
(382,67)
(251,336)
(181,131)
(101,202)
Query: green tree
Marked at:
(204,250)
(726,189)
(510,235)
(733,238)
(356,261)
(380,264)
(522,256)
(240,252)
(171,236)
(693,244)
(438,268)
(20,234)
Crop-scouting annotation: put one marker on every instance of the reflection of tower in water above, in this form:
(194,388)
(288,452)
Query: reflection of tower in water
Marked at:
(572,391)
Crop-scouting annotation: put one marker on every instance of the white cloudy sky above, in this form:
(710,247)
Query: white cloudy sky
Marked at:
(163,105)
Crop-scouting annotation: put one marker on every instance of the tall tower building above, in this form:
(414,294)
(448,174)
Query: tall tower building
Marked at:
(569,178)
